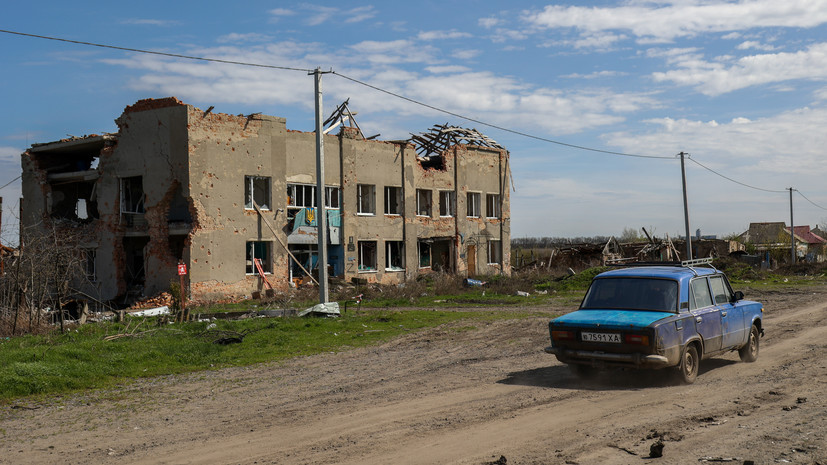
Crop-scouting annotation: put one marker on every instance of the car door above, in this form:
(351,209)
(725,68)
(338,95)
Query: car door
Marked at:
(732,316)
(707,315)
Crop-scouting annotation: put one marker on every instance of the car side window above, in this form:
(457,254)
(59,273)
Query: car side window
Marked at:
(700,296)
(720,290)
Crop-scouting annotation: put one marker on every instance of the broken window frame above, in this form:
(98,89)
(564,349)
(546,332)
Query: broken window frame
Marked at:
(332,197)
(394,256)
(424,252)
(252,188)
(492,206)
(424,202)
(89,256)
(130,204)
(258,249)
(447,204)
(367,257)
(495,252)
(393,200)
(366,199)
(473,205)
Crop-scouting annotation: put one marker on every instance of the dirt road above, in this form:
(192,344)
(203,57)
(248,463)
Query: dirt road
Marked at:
(455,394)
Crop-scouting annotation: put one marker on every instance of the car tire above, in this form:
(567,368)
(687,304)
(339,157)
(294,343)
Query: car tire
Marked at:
(749,353)
(688,368)
(583,371)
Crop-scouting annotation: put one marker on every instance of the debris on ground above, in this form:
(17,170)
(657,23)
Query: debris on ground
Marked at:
(328,309)
(163,299)
(656,449)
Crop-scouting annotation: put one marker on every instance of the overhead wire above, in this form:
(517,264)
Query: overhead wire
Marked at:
(805,198)
(9,183)
(396,95)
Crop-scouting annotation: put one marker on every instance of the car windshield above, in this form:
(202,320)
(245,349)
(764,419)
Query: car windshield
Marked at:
(632,294)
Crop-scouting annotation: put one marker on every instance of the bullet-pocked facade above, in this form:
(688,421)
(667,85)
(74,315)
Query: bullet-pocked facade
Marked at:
(233,199)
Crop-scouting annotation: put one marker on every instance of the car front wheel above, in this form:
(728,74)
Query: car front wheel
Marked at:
(749,353)
(688,368)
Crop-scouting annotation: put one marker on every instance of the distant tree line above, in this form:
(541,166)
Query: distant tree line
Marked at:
(555,242)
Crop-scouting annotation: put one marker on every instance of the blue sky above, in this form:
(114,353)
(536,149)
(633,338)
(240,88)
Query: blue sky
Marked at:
(740,86)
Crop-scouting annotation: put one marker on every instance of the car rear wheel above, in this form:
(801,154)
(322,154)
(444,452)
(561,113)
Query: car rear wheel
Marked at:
(749,353)
(688,368)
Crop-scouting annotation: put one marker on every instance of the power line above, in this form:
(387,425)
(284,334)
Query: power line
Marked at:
(805,198)
(151,52)
(490,125)
(732,180)
(9,183)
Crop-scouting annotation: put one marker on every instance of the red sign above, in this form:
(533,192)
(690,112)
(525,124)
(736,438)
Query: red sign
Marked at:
(182,269)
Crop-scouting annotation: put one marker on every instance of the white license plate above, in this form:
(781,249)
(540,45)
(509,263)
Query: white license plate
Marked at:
(600,337)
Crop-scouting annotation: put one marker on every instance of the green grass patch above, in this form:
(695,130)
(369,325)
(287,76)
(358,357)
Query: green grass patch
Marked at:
(84,358)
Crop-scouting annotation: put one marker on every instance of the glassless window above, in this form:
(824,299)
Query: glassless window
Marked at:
(366,199)
(332,195)
(492,206)
(257,189)
(473,204)
(394,256)
(447,203)
(258,250)
(495,252)
(424,255)
(393,200)
(423,202)
(367,256)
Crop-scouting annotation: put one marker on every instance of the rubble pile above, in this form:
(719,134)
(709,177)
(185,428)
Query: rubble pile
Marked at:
(160,300)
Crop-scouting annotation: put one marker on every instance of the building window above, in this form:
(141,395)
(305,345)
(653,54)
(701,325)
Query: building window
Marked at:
(492,206)
(424,254)
(423,202)
(132,195)
(395,256)
(88,257)
(473,205)
(331,197)
(447,203)
(258,251)
(300,195)
(257,189)
(366,199)
(367,255)
(495,252)
(393,200)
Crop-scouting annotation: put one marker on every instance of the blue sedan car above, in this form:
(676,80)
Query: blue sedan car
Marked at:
(668,315)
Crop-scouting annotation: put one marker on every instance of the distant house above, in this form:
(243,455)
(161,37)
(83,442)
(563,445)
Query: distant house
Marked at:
(772,240)
(816,245)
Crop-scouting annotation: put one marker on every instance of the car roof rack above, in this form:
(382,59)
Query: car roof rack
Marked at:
(684,263)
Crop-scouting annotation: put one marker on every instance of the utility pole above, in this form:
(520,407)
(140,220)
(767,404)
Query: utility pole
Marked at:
(321,212)
(792,229)
(686,207)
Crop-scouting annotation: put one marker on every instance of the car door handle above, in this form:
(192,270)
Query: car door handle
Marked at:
(723,313)
(699,319)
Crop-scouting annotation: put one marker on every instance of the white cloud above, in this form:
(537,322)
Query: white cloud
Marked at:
(466,54)
(719,77)
(441,35)
(9,155)
(489,23)
(670,20)
(318,14)
(238,38)
(447,69)
(595,75)
(790,143)
(755,45)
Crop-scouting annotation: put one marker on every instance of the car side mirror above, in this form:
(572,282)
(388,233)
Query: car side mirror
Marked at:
(738,296)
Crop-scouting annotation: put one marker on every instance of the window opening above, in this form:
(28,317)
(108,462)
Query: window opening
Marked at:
(393,200)
(366,199)
(258,250)
(492,206)
(367,255)
(473,204)
(257,189)
(395,256)
(424,254)
(495,252)
(423,202)
(447,203)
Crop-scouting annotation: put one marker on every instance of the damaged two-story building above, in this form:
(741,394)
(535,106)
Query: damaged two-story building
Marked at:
(233,198)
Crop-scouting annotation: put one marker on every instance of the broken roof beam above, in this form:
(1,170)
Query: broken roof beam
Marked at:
(442,137)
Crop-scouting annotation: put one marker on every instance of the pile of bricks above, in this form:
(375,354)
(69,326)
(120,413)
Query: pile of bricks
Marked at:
(164,298)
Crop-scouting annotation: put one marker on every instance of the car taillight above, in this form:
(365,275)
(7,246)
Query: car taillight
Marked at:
(562,335)
(640,339)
